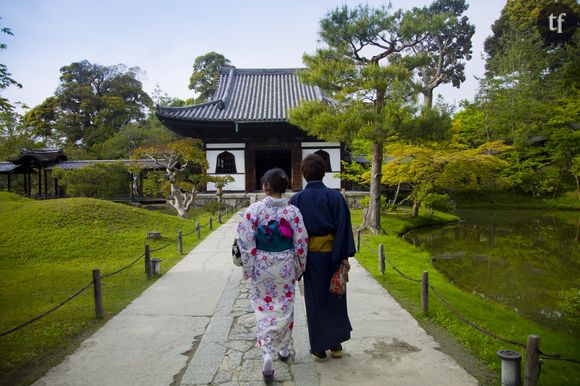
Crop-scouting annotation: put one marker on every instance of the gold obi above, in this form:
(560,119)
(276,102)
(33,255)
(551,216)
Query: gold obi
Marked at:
(320,243)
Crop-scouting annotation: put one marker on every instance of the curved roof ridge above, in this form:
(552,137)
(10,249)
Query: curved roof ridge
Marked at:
(228,91)
(189,107)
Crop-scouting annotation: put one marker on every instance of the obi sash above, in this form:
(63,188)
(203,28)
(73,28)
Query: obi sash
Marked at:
(320,243)
(274,237)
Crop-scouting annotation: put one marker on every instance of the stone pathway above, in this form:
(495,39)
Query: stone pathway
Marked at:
(228,355)
(195,326)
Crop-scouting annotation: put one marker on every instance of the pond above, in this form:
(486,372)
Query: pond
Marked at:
(526,259)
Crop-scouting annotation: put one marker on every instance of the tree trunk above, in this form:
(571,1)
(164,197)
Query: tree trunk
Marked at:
(577,186)
(427,99)
(396,198)
(177,202)
(372,220)
(416,206)
(177,198)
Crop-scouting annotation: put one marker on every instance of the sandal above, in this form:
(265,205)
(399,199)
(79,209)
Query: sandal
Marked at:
(336,351)
(283,358)
(268,378)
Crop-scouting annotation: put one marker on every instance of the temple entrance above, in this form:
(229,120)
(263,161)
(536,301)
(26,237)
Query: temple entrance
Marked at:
(276,158)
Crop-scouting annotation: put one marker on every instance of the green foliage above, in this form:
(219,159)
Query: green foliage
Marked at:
(14,135)
(570,303)
(220,181)
(365,202)
(447,46)
(214,208)
(7,196)
(432,169)
(48,250)
(6,79)
(528,98)
(91,104)
(155,184)
(205,76)
(100,180)
(146,133)
(437,201)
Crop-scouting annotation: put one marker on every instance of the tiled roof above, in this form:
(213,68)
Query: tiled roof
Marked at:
(249,95)
(43,156)
(6,167)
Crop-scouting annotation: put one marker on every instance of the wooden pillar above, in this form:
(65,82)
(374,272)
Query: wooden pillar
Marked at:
(140,187)
(56,192)
(98,296)
(45,182)
(147,259)
(250,155)
(532,370)
(425,293)
(296,177)
(25,176)
(39,181)
(8,181)
(342,157)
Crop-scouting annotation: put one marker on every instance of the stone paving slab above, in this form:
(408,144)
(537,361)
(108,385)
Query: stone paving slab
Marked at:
(227,353)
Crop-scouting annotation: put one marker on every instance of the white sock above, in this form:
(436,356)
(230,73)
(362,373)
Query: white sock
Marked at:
(267,364)
(284,352)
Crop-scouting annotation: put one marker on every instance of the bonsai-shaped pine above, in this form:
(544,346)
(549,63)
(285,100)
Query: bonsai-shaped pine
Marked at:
(185,167)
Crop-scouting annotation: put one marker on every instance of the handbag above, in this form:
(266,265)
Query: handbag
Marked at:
(338,280)
(236,254)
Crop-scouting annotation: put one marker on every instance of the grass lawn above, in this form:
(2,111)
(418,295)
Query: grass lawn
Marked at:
(48,250)
(494,317)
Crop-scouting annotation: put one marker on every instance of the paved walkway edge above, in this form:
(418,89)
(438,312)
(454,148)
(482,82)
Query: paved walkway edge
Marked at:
(207,359)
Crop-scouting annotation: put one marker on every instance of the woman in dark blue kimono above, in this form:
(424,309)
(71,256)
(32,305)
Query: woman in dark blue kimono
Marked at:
(327,220)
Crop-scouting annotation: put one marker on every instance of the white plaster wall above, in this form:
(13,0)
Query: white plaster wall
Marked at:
(212,151)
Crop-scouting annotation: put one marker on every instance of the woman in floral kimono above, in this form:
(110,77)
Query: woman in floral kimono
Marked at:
(273,243)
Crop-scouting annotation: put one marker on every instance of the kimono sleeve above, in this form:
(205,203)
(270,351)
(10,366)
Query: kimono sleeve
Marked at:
(247,243)
(343,243)
(299,238)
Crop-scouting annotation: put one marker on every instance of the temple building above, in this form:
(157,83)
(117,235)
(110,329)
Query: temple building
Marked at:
(245,128)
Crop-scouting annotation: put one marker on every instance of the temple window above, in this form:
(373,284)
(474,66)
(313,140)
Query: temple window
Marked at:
(226,163)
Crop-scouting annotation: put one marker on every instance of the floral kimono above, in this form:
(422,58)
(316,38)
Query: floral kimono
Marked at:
(273,242)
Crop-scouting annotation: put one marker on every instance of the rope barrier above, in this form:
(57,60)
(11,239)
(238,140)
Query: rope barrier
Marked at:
(557,357)
(401,273)
(166,245)
(491,334)
(49,311)
(190,233)
(123,268)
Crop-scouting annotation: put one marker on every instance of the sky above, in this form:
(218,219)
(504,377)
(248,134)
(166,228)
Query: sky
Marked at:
(163,38)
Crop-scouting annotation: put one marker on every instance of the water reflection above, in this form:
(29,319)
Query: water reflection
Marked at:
(527,259)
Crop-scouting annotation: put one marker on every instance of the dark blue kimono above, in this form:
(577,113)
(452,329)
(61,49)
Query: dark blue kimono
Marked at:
(325,211)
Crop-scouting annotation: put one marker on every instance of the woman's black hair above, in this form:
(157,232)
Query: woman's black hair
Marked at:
(277,179)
